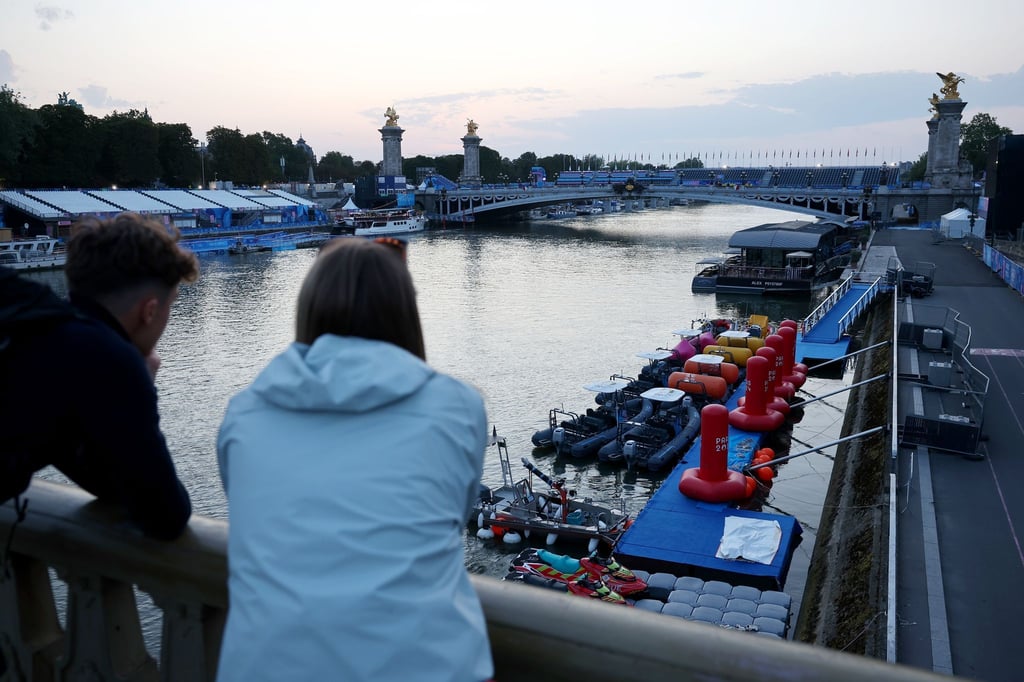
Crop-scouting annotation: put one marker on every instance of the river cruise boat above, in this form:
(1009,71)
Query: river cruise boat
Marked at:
(379,223)
(36,253)
(791,258)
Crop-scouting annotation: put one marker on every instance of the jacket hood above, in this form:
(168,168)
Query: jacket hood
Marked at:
(341,374)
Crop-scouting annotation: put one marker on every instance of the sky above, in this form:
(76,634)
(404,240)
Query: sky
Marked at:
(657,79)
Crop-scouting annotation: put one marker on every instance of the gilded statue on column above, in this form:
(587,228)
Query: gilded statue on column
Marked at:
(471,127)
(949,82)
(391,117)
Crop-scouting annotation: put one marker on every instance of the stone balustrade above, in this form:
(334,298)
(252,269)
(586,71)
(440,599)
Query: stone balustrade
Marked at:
(535,633)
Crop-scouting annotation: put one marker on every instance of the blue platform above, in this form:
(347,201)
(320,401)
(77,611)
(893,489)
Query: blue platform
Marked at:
(679,535)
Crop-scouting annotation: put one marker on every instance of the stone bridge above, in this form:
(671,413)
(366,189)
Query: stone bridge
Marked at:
(880,202)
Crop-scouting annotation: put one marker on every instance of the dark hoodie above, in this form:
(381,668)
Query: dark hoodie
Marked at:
(76,394)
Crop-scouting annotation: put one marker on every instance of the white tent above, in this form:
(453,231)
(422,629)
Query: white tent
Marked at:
(350,206)
(957,224)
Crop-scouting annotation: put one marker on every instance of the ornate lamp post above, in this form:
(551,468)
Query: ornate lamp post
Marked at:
(844,180)
(810,176)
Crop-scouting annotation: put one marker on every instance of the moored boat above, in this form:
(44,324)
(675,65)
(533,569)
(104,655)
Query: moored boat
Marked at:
(514,510)
(386,222)
(792,258)
(35,253)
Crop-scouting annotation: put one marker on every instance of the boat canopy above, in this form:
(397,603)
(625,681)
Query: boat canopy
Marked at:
(800,254)
(795,234)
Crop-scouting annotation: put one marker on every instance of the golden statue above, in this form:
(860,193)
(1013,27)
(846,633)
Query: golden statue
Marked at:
(471,127)
(392,117)
(934,101)
(949,82)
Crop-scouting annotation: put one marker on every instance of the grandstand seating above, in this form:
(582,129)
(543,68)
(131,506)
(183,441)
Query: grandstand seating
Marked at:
(130,200)
(31,205)
(180,199)
(293,198)
(73,201)
(227,199)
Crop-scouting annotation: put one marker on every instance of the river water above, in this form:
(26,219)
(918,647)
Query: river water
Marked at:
(528,313)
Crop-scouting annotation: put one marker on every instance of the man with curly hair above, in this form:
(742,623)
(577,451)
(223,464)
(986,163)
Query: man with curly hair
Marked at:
(78,386)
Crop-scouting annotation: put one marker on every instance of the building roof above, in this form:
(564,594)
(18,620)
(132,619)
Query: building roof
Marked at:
(792,235)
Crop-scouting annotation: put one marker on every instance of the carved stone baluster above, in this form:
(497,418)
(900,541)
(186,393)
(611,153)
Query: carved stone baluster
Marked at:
(190,644)
(103,632)
(31,638)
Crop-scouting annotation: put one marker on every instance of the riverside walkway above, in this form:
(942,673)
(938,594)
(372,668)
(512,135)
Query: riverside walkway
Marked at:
(960,577)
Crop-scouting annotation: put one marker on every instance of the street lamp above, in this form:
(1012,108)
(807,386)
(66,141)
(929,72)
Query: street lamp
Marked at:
(810,175)
(844,179)
(283,179)
(202,163)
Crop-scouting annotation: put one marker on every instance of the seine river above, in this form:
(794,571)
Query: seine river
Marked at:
(528,313)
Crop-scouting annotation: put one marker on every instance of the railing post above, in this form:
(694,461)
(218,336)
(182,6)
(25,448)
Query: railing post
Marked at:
(104,635)
(190,644)
(31,639)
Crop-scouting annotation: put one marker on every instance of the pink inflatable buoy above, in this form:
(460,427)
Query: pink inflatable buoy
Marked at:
(789,372)
(783,388)
(754,414)
(774,400)
(713,481)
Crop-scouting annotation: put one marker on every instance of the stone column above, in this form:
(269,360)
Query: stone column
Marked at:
(944,145)
(392,138)
(933,128)
(471,163)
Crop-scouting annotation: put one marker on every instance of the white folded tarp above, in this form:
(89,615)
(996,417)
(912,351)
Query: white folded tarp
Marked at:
(754,540)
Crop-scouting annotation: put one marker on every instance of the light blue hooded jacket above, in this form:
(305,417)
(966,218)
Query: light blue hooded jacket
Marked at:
(349,467)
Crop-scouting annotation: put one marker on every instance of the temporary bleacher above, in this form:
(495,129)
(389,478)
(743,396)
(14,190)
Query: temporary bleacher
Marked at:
(30,205)
(130,200)
(293,198)
(73,201)
(227,199)
(180,199)
(265,198)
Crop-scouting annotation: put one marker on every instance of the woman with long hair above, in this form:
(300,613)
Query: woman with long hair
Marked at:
(350,467)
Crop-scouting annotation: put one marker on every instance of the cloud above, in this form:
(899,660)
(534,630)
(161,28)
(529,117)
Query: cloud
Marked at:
(49,15)
(689,75)
(816,110)
(6,67)
(96,96)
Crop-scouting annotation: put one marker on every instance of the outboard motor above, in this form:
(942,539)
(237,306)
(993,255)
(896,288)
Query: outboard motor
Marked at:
(755,330)
(629,449)
(558,436)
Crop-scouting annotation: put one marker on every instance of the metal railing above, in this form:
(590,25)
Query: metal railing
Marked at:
(534,633)
(814,317)
(859,306)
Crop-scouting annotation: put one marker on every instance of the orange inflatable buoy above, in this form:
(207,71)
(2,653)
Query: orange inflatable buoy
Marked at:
(765,473)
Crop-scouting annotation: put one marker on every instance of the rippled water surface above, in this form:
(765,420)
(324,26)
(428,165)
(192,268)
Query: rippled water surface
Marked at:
(527,313)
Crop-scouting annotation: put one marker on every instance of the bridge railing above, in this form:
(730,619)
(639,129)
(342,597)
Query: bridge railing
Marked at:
(534,633)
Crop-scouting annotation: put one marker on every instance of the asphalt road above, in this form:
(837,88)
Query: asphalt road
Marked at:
(978,508)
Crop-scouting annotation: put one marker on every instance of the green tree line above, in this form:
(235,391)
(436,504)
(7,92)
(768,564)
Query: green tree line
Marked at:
(59,145)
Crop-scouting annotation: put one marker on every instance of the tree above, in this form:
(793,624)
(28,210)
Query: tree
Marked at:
(338,167)
(916,172)
(975,137)
(17,123)
(692,162)
(65,149)
(490,164)
(180,165)
(129,149)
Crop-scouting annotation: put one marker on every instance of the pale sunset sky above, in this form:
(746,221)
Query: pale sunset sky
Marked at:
(617,79)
